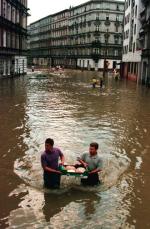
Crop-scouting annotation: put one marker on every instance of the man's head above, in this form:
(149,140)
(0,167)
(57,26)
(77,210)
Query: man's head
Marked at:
(49,144)
(93,148)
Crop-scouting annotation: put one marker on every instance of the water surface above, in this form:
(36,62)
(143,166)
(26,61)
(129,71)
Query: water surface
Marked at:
(67,109)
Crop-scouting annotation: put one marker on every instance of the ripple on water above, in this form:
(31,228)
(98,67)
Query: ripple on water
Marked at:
(74,116)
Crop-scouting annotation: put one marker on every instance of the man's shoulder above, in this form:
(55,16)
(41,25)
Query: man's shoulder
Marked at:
(85,155)
(43,154)
(99,156)
(56,149)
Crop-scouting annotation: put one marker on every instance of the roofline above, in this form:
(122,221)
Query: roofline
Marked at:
(91,1)
(62,11)
(75,7)
(50,15)
(41,19)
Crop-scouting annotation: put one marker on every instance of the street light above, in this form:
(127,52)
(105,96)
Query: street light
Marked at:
(105,54)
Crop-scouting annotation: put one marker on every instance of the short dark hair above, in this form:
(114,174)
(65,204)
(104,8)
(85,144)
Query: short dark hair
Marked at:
(49,141)
(94,144)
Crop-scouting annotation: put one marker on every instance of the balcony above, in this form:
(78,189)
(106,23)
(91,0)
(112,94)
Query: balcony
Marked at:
(11,51)
(117,23)
(89,23)
(97,22)
(88,34)
(146,53)
(142,32)
(107,22)
(116,36)
(96,44)
(97,33)
(106,35)
(13,27)
(143,15)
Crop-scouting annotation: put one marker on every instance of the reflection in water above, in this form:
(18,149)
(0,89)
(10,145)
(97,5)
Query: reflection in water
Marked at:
(88,202)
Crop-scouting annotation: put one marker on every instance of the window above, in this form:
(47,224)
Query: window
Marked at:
(13,15)
(97,16)
(135,29)
(128,2)
(96,50)
(4,9)
(133,48)
(116,52)
(97,28)
(9,12)
(4,38)
(107,17)
(116,40)
(117,29)
(136,11)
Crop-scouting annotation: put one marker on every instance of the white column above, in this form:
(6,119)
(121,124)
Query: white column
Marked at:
(9,64)
(4,68)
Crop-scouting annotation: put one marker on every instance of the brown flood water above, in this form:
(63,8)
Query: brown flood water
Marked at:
(68,109)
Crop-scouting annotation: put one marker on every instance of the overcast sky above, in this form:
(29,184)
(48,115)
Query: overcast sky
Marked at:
(42,8)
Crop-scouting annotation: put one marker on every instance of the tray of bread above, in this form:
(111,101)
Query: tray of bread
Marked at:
(72,170)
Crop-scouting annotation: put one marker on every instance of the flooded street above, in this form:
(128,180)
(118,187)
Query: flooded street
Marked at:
(74,114)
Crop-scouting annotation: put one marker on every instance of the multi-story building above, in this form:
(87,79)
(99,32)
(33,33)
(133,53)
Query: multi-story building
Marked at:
(136,45)
(13,34)
(131,45)
(95,33)
(39,42)
(145,42)
(59,38)
(83,36)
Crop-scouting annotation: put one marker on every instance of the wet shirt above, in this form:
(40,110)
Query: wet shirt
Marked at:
(51,158)
(94,162)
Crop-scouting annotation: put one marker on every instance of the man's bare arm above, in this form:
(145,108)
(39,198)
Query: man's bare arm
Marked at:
(95,171)
(83,163)
(48,169)
(62,158)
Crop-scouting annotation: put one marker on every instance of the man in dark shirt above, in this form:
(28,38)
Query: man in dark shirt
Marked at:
(49,161)
(93,163)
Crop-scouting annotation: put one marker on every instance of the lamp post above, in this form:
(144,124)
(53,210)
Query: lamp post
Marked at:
(105,53)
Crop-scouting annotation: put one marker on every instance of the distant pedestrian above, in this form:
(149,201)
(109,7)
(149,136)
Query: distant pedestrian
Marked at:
(94,82)
(101,82)
(32,68)
(117,76)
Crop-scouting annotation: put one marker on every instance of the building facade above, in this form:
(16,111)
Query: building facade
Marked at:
(60,39)
(136,43)
(39,42)
(131,45)
(95,33)
(84,36)
(13,35)
(145,40)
